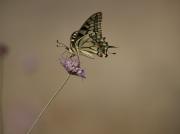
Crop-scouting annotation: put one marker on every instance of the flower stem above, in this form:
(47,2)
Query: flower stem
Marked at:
(46,106)
(1,93)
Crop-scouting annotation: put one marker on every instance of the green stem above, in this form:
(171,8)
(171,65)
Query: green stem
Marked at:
(1,94)
(46,106)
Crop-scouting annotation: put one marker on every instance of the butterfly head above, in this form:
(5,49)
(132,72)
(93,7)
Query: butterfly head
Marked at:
(74,37)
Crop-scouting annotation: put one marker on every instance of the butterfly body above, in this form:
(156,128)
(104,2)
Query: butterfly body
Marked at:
(88,40)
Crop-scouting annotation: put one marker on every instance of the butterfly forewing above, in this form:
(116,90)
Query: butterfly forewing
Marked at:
(91,25)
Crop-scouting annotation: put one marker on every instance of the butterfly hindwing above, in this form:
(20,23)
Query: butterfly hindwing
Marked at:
(85,46)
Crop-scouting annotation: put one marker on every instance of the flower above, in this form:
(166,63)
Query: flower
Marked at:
(72,66)
(3,49)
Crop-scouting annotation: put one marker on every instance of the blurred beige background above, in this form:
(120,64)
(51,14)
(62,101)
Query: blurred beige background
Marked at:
(136,91)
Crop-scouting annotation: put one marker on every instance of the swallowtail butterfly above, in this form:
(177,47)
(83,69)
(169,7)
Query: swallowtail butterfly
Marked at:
(88,40)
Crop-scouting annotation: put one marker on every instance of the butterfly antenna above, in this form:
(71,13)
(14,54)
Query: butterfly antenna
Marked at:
(60,44)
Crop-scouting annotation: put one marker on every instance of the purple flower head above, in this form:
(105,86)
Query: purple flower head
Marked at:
(72,66)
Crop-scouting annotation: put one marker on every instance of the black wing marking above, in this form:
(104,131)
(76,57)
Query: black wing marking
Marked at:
(91,25)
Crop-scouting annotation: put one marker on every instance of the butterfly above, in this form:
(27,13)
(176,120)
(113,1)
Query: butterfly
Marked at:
(88,40)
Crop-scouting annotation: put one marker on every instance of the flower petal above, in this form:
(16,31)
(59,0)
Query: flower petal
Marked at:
(72,66)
